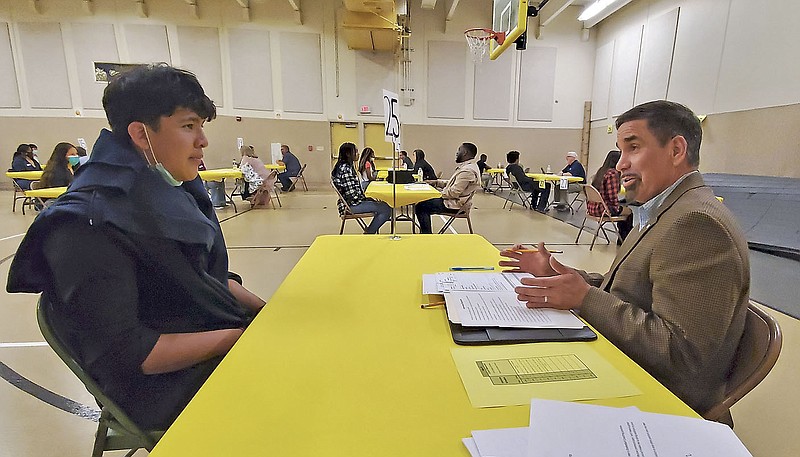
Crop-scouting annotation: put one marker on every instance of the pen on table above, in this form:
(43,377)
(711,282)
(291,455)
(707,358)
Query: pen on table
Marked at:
(553,251)
(470,268)
(432,305)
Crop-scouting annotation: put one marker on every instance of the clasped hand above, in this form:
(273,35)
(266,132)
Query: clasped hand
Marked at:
(554,286)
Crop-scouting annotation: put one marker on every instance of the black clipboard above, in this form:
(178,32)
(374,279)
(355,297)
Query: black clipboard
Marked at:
(473,336)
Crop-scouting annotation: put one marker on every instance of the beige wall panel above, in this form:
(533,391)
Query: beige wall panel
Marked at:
(755,142)
(45,64)
(760,142)
(9,91)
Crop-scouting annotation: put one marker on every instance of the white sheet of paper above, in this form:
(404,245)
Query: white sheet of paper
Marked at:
(585,430)
(469,443)
(502,442)
(429,285)
(502,309)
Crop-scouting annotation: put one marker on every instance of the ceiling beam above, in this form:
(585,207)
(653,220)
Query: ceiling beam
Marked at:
(193,8)
(298,17)
(428,4)
(141,8)
(552,9)
(450,7)
(245,4)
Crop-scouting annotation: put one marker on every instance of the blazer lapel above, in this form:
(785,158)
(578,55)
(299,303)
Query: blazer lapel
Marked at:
(692,181)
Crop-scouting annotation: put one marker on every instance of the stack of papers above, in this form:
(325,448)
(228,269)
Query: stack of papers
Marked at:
(489,300)
(584,430)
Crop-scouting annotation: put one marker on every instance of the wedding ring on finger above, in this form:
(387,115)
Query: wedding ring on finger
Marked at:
(545,298)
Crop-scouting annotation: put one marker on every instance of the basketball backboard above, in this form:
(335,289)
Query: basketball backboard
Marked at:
(510,17)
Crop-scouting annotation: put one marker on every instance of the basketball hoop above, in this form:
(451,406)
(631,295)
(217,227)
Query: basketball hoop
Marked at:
(478,40)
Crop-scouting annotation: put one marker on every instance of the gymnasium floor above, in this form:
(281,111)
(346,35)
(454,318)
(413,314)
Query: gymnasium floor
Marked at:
(264,245)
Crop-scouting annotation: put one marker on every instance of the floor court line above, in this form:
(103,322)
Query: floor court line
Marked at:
(26,344)
(12,236)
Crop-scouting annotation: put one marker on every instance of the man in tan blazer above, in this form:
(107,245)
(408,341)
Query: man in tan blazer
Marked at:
(676,295)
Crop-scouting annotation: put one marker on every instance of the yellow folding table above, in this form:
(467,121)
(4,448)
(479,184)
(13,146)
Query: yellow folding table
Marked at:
(329,369)
(401,195)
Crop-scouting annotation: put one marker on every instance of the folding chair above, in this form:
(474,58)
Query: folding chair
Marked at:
(349,214)
(19,194)
(463,213)
(574,199)
(593,195)
(299,177)
(115,430)
(755,356)
(516,190)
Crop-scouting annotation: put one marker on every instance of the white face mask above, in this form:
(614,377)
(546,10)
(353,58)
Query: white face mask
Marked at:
(158,166)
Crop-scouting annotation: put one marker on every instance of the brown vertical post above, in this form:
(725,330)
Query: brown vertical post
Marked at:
(587,125)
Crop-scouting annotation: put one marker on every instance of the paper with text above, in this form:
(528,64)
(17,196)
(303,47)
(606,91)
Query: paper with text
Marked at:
(583,430)
(455,281)
(502,309)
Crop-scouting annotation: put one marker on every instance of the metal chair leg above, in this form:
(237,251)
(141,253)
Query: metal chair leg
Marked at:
(581,230)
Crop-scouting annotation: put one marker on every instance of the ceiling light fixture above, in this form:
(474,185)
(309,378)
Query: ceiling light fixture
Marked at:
(594,9)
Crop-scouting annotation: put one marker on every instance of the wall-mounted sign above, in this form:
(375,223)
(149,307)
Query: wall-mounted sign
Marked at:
(104,71)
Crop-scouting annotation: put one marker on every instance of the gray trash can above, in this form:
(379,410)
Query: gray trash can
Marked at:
(216,190)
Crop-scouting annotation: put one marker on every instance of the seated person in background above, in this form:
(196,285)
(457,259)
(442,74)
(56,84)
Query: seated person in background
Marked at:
(83,157)
(573,168)
(147,308)
(464,182)
(421,164)
(676,296)
(260,181)
(24,160)
(58,172)
(366,168)
(292,168)
(539,196)
(345,179)
(485,177)
(405,161)
(606,181)
(35,150)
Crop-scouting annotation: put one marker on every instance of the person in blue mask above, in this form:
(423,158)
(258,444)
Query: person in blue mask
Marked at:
(59,169)
(152,308)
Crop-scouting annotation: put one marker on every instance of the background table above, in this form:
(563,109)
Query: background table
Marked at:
(340,368)
(47,192)
(555,179)
(498,178)
(29,175)
(381,190)
(219,175)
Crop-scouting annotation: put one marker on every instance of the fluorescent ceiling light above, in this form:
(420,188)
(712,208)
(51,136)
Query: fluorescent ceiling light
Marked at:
(594,9)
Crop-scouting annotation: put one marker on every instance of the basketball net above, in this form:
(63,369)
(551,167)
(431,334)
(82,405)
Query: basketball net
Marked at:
(478,40)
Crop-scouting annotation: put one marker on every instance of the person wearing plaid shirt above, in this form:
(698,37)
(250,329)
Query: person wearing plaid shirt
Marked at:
(606,181)
(347,183)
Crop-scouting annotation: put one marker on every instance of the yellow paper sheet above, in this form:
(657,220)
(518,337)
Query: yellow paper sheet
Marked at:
(512,375)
